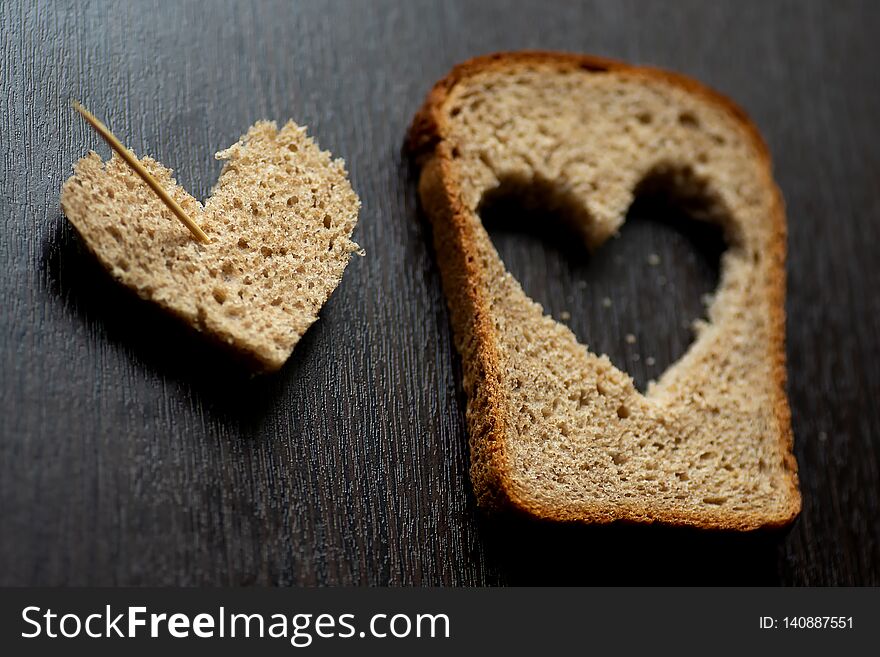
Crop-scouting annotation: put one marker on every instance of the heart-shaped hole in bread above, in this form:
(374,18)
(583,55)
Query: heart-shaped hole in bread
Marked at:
(556,430)
(637,296)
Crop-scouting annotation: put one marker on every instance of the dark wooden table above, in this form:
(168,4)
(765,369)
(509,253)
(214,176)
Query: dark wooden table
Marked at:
(130,453)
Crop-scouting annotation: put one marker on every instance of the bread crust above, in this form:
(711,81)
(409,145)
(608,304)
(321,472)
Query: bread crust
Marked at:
(472,327)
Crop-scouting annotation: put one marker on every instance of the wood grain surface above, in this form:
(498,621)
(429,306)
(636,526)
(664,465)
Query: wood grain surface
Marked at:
(131,453)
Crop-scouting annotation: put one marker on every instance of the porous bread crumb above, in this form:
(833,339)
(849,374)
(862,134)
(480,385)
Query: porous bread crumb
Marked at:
(557,431)
(280,220)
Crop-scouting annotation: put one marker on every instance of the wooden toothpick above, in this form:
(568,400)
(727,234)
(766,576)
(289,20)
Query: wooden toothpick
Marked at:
(139,169)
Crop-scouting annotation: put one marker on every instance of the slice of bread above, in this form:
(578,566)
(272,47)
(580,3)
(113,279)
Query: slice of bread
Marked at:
(280,220)
(557,431)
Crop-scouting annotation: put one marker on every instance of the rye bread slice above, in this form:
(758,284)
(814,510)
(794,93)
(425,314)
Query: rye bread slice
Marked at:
(556,431)
(279,218)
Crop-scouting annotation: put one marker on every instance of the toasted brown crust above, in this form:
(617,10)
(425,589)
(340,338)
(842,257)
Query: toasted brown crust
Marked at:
(460,271)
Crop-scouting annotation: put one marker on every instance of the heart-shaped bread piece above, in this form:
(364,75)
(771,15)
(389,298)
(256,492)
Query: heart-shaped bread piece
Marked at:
(557,431)
(279,219)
